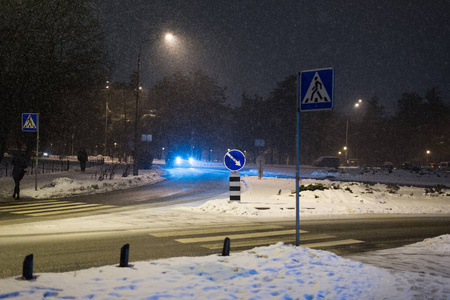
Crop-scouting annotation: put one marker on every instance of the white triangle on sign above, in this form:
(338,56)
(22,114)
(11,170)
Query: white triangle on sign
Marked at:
(29,123)
(316,92)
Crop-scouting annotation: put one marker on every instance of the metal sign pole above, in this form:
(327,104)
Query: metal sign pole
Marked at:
(297,174)
(37,152)
(315,91)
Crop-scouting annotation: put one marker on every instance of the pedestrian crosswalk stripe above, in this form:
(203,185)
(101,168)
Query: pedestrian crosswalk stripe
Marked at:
(266,241)
(252,239)
(50,207)
(40,206)
(29,204)
(236,236)
(331,243)
(75,210)
(59,208)
(213,230)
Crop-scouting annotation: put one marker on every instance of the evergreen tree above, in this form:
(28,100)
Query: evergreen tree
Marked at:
(52,62)
(189,113)
(373,147)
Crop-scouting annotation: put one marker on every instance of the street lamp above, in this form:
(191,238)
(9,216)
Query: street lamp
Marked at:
(356,105)
(106,114)
(428,154)
(168,37)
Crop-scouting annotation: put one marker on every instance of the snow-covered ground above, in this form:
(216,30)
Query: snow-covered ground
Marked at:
(276,272)
(96,179)
(418,271)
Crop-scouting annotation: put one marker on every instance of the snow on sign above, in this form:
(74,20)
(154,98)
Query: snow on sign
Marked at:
(316,89)
(234,160)
(29,122)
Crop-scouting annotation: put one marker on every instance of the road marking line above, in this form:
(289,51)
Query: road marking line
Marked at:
(70,211)
(330,244)
(16,206)
(53,209)
(236,236)
(260,242)
(215,230)
(43,206)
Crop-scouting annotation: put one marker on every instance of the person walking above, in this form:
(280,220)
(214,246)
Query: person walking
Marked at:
(82,158)
(19,163)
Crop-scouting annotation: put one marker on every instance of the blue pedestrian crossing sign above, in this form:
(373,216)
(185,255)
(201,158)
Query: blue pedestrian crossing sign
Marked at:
(29,122)
(234,160)
(316,89)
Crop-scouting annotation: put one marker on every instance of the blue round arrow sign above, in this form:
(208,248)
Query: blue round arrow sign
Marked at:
(234,160)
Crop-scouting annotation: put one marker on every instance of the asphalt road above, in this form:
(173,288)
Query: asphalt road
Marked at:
(182,185)
(81,250)
(75,251)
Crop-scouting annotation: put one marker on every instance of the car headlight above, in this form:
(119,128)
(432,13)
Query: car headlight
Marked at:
(191,160)
(178,160)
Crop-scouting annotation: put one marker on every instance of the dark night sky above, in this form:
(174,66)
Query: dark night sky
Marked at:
(381,48)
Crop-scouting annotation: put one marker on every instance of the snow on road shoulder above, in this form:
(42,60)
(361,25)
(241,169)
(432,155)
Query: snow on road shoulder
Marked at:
(73,182)
(280,271)
(431,256)
(275,197)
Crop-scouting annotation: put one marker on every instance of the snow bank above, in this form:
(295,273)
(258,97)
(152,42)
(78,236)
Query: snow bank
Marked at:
(74,182)
(278,271)
(275,197)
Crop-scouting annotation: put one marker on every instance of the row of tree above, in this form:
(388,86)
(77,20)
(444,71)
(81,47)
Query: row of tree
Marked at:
(53,61)
(192,111)
(189,113)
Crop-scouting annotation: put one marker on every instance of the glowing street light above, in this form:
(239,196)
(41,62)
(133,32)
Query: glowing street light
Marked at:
(356,105)
(168,37)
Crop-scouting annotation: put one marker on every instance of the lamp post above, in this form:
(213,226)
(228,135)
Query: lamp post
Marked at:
(106,114)
(168,37)
(356,105)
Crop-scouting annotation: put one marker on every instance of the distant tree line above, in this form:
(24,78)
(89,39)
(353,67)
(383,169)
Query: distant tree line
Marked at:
(53,61)
(419,124)
(189,112)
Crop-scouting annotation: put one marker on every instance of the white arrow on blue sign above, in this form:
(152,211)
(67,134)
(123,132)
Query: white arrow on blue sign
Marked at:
(316,89)
(234,160)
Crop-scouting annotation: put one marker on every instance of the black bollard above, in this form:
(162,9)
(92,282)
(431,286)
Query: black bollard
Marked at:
(27,272)
(226,247)
(124,253)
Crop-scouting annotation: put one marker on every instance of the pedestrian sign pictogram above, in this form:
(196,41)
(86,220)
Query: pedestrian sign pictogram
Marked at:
(29,122)
(316,89)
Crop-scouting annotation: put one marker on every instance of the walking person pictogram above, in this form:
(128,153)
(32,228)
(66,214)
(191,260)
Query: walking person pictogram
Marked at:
(316,91)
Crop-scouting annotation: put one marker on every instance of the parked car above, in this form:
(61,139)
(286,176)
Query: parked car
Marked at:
(444,166)
(410,166)
(388,165)
(327,161)
(430,166)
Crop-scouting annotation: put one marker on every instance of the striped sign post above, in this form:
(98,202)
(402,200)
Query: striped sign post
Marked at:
(235,186)
(234,160)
